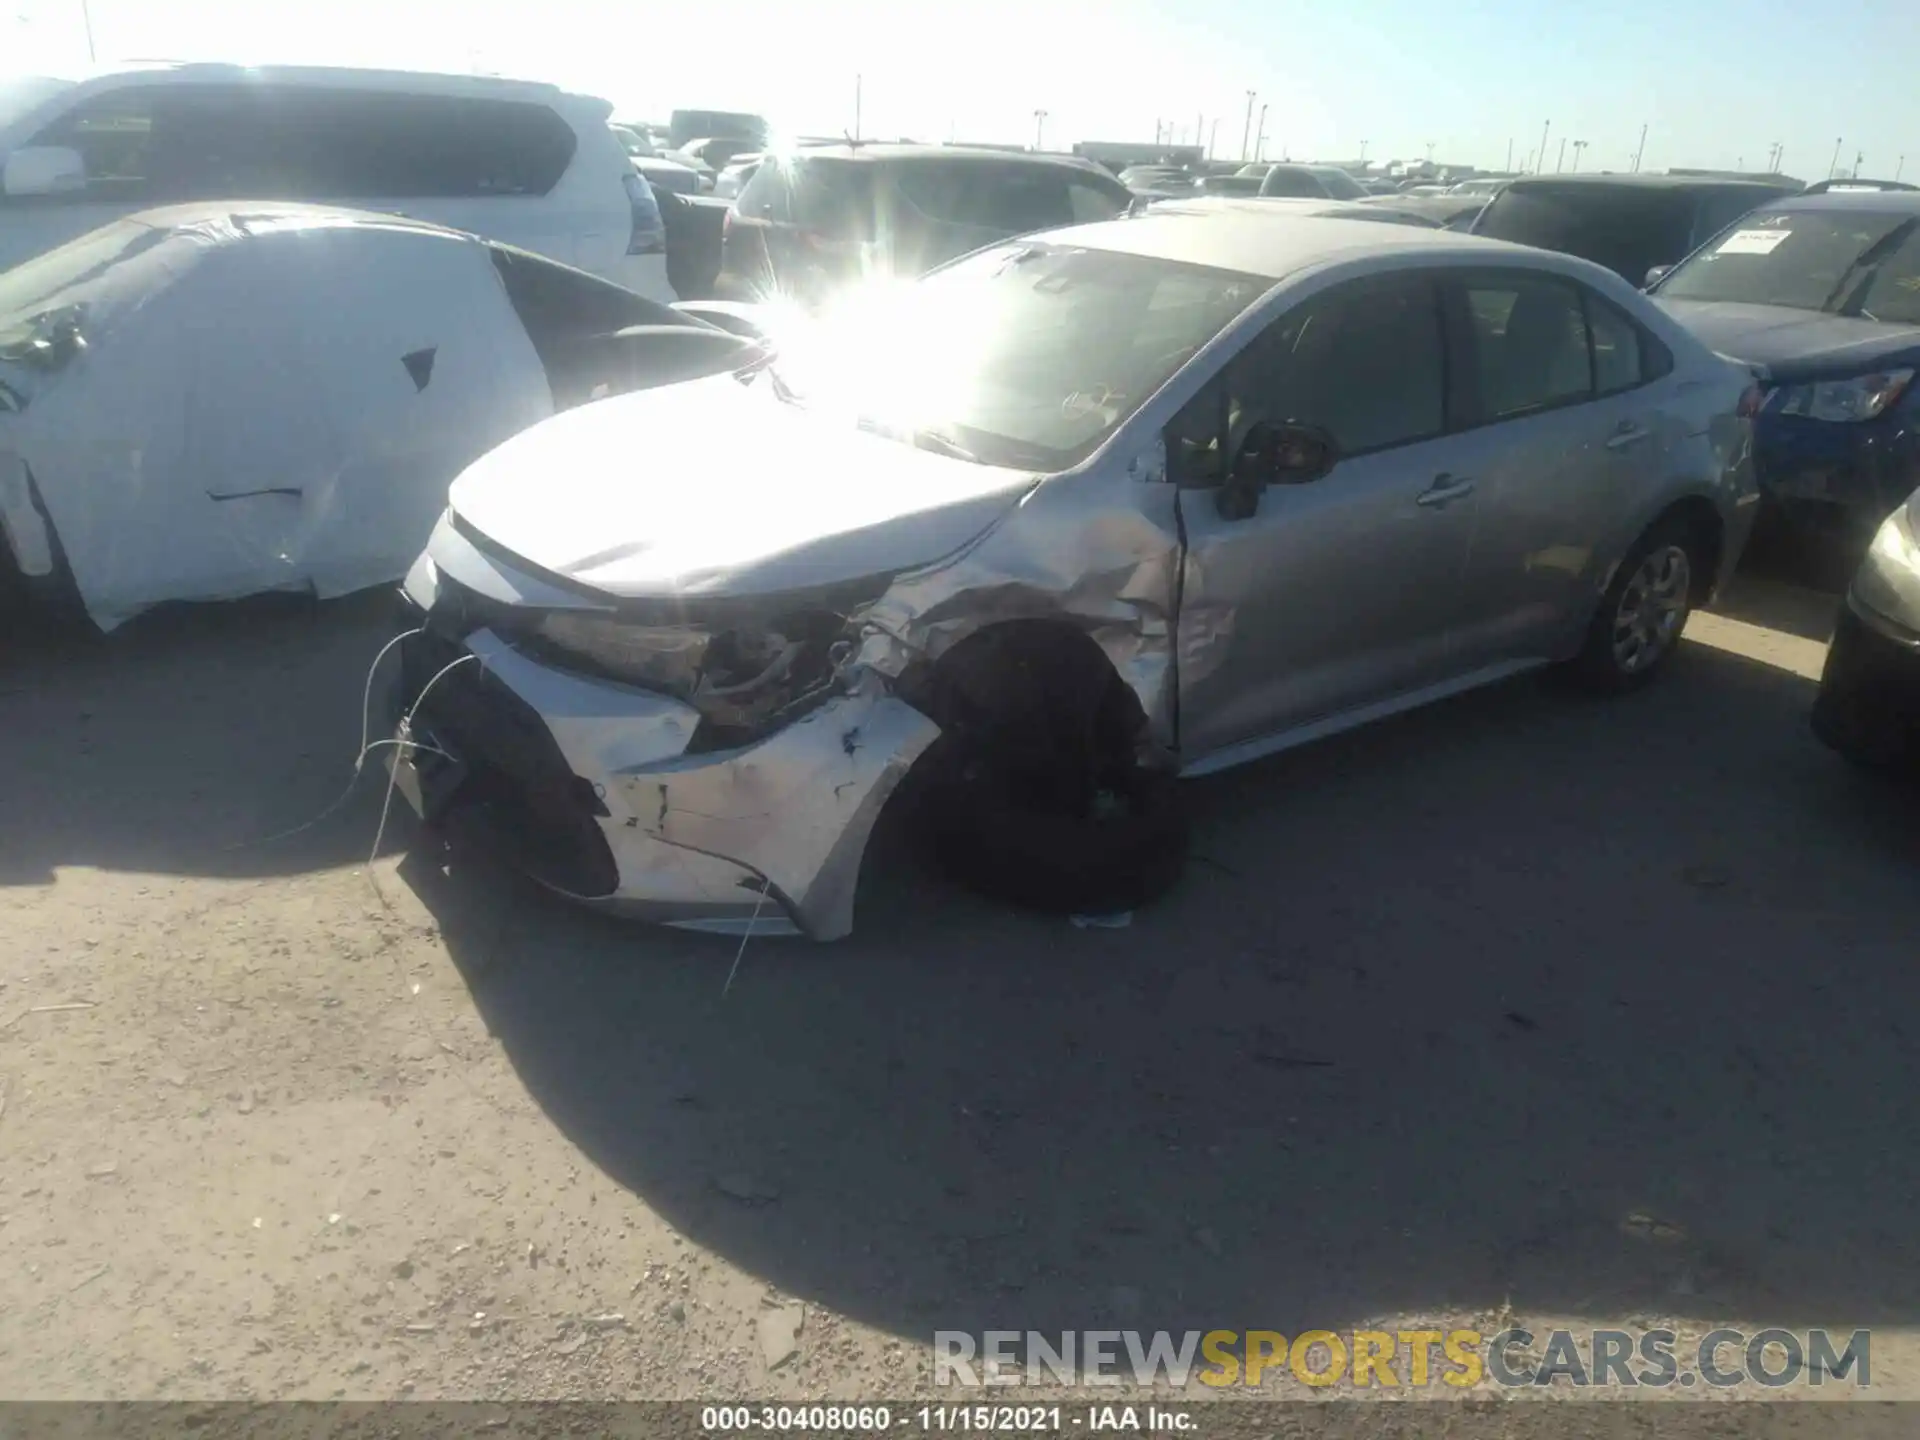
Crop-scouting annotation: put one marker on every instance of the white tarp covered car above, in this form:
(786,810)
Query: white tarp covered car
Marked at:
(212,401)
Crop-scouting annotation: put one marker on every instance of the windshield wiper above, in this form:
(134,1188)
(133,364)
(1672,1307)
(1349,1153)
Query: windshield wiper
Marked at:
(1865,262)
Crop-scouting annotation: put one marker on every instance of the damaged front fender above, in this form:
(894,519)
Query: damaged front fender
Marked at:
(1098,552)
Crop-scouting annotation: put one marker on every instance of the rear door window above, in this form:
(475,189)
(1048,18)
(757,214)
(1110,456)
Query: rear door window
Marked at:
(1528,347)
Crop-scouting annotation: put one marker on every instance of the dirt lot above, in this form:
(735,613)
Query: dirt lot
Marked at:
(1520,1006)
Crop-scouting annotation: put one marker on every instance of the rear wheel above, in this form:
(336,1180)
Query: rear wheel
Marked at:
(1637,626)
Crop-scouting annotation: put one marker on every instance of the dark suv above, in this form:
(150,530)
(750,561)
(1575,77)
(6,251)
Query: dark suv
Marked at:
(809,222)
(1631,224)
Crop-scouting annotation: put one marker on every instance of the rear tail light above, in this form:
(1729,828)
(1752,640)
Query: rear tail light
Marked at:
(1751,401)
(648,232)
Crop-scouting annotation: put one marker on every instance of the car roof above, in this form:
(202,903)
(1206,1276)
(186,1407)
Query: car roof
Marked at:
(239,219)
(412,81)
(1605,181)
(1277,240)
(1905,202)
(894,150)
(1270,206)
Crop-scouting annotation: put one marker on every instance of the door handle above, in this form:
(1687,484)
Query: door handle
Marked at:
(1444,491)
(1628,434)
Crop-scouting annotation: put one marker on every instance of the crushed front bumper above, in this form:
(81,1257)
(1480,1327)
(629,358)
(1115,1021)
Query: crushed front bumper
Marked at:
(589,787)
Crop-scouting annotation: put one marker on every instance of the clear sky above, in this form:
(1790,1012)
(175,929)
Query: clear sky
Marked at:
(1718,82)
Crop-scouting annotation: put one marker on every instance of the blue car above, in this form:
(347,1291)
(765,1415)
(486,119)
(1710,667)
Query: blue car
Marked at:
(1820,294)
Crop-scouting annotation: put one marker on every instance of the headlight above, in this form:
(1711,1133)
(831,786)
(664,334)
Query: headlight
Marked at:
(658,656)
(1862,398)
(1889,580)
(740,680)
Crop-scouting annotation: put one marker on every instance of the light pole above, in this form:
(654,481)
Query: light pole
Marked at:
(1260,134)
(1641,151)
(1212,130)
(1833,165)
(1363,152)
(1901,166)
(1039,126)
(1509,155)
(1578,146)
(1858,156)
(1246,131)
(1560,161)
(86,18)
(856,109)
(1542,164)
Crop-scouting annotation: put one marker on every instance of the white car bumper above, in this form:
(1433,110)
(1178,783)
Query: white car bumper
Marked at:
(768,836)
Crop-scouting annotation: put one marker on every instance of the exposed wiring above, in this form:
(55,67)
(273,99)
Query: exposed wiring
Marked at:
(359,759)
(766,884)
(393,775)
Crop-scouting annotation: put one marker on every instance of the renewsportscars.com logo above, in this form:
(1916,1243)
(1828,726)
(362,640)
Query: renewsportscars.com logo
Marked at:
(1399,1359)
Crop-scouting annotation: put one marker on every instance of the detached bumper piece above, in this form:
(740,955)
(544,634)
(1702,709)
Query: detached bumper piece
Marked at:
(486,755)
(1868,707)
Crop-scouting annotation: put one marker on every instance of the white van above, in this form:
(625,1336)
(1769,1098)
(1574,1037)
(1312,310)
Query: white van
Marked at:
(527,164)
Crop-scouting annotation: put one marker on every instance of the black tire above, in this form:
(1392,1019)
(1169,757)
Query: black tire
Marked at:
(985,833)
(1606,664)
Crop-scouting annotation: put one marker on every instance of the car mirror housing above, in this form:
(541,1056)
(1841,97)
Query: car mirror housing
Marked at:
(1274,454)
(1655,276)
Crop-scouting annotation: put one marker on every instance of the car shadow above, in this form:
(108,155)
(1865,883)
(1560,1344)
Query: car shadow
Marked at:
(1582,1007)
(191,740)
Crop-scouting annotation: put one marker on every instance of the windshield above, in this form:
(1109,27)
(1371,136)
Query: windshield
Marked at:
(1852,261)
(1627,228)
(1024,355)
(21,94)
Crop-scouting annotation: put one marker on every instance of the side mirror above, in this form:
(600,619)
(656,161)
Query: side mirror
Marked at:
(1274,454)
(44,170)
(1655,276)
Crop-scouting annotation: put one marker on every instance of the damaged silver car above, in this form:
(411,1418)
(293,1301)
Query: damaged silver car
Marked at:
(1069,518)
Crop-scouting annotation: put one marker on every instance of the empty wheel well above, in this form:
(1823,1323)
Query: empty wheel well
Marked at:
(1036,697)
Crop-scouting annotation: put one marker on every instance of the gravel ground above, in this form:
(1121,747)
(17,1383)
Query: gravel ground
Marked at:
(1522,1006)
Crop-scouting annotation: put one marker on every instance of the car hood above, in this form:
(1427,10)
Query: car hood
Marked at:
(716,488)
(1789,343)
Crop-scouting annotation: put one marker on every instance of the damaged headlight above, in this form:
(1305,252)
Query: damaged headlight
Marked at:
(1888,582)
(658,657)
(742,680)
(1865,397)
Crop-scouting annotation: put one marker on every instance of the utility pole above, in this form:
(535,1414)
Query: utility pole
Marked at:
(1578,146)
(1039,126)
(1246,131)
(1833,165)
(1560,161)
(1543,146)
(856,109)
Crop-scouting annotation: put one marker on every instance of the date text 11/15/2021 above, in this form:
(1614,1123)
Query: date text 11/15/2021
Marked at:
(940,1419)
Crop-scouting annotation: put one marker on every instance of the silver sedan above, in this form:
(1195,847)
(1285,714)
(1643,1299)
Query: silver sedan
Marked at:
(1145,498)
